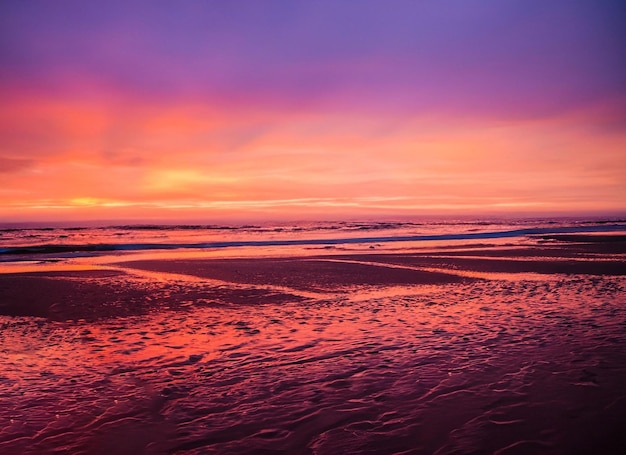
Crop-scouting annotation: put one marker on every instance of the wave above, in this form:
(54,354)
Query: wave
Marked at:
(104,247)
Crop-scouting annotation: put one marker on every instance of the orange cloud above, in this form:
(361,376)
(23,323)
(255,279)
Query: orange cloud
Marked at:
(75,159)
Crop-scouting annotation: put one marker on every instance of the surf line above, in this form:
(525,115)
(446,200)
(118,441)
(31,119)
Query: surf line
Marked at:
(56,248)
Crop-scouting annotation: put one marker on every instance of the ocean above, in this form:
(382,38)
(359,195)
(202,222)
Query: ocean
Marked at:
(49,240)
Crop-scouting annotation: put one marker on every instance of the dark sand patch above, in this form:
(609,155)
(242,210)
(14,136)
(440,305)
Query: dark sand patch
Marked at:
(498,265)
(69,295)
(588,238)
(94,295)
(297,273)
(599,258)
(561,250)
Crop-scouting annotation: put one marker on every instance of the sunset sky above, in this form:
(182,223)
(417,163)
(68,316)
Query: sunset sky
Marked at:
(299,109)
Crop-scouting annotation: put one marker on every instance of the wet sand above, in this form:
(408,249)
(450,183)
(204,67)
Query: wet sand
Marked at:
(487,350)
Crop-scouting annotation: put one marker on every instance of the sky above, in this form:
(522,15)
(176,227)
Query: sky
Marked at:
(298,109)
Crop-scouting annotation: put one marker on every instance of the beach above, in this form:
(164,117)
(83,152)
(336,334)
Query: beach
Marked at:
(469,348)
(313,227)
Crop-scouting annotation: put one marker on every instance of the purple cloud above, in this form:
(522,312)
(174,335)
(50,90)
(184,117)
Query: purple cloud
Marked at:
(470,56)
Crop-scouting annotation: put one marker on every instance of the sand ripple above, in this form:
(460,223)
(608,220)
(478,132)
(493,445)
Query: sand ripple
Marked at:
(495,366)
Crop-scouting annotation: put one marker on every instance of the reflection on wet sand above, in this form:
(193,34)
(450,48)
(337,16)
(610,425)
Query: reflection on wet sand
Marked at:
(395,353)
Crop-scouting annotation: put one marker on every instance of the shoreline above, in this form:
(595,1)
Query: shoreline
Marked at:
(567,233)
(118,287)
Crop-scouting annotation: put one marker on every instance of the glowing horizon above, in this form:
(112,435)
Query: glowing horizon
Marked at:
(295,110)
